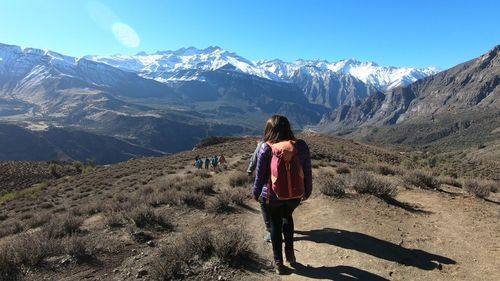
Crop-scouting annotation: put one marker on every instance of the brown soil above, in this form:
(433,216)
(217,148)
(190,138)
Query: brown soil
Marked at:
(420,235)
(439,236)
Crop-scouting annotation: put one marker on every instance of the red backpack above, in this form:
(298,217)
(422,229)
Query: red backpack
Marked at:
(287,176)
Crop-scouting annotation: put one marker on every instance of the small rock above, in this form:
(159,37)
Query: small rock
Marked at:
(151,243)
(391,273)
(220,277)
(116,270)
(439,266)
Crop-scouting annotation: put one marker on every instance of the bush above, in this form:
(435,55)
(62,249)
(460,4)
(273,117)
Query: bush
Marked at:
(32,248)
(170,262)
(199,243)
(223,203)
(114,219)
(449,181)
(205,186)
(477,188)
(383,169)
(421,179)
(343,170)
(194,200)
(330,184)
(240,179)
(363,182)
(60,227)
(231,244)
(80,248)
(9,268)
(145,217)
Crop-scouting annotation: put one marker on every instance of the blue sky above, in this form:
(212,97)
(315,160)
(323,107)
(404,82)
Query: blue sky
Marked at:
(417,33)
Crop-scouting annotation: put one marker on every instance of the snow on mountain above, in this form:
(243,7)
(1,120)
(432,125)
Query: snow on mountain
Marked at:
(381,77)
(162,66)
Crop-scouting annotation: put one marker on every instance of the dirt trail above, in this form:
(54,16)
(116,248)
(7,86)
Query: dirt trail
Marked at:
(424,235)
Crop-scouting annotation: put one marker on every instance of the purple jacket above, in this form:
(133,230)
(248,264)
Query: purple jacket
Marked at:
(262,172)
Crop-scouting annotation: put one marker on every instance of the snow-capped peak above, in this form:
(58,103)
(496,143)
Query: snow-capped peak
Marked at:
(165,66)
(383,78)
(162,65)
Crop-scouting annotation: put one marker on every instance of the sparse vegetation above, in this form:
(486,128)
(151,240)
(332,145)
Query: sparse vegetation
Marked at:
(240,179)
(343,170)
(480,189)
(421,179)
(63,226)
(363,182)
(145,217)
(331,184)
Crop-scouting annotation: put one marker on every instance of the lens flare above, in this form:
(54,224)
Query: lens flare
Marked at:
(126,35)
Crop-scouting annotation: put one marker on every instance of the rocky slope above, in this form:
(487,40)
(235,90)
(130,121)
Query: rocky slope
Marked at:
(472,85)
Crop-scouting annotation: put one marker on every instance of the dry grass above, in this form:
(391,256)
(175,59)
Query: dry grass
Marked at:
(384,169)
(366,183)
(449,181)
(62,226)
(421,179)
(145,217)
(184,256)
(240,179)
(478,188)
(331,184)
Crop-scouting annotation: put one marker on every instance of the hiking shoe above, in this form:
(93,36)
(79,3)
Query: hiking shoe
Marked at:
(267,237)
(290,257)
(279,267)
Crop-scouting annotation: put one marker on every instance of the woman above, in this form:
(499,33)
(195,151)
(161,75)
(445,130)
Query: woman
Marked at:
(278,133)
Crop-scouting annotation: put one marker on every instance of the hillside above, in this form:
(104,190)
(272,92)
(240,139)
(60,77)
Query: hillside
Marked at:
(158,218)
(456,107)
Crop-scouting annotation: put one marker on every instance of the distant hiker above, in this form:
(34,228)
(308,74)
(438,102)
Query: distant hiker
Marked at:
(222,160)
(198,163)
(215,161)
(207,162)
(283,178)
(263,208)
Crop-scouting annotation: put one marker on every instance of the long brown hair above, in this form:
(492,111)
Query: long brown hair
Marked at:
(278,129)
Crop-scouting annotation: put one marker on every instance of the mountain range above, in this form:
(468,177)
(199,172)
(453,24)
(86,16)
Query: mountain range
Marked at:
(170,100)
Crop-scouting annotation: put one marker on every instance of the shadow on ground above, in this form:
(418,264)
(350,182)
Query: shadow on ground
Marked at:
(376,247)
(406,206)
(337,273)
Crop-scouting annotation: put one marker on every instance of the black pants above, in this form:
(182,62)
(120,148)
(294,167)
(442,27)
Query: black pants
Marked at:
(282,225)
(265,215)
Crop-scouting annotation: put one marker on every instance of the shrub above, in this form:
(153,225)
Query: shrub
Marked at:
(60,227)
(231,244)
(477,188)
(330,184)
(9,268)
(11,227)
(204,174)
(343,170)
(449,181)
(145,217)
(114,219)
(32,248)
(205,186)
(199,243)
(383,169)
(363,182)
(169,263)
(421,179)
(194,200)
(240,179)
(224,202)
(80,248)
